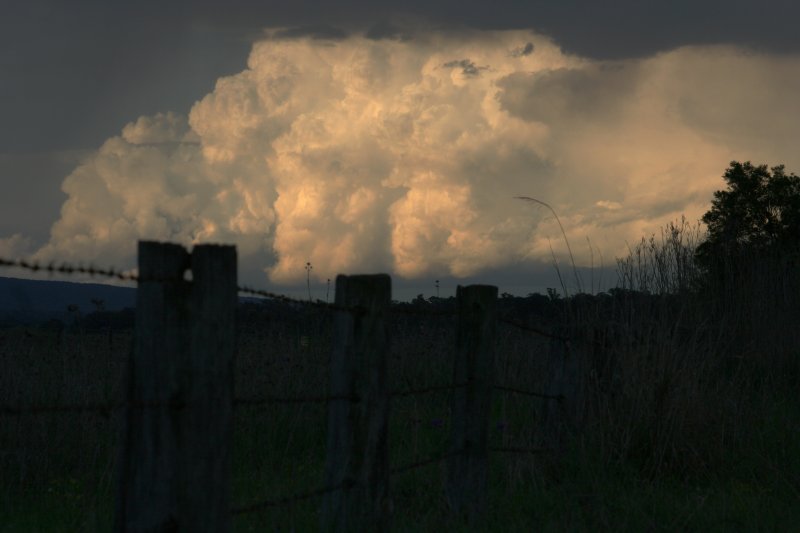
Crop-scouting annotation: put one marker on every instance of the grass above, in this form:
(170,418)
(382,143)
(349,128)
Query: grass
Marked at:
(689,419)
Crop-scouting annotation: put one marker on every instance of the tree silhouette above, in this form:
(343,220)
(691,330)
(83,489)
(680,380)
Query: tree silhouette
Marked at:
(757,216)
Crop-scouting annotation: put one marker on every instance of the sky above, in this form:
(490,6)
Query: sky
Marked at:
(390,137)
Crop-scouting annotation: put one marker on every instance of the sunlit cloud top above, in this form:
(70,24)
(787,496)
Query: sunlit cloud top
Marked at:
(405,156)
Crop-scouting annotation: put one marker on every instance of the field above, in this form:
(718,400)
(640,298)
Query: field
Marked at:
(688,418)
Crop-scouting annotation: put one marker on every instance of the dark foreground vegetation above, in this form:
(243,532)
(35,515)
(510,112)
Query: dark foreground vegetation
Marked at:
(686,417)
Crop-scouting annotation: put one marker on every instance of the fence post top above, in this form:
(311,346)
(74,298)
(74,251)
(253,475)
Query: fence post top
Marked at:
(359,288)
(364,277)
(478,289)
(214,245)
(151,244)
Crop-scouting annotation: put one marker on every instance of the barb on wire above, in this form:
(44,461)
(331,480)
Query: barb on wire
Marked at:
(520,450)
(284,298)
(434,388)
(559,397)
(66,268)
(534,330)
(255,402)
(425,462)
(101,408)
(264,504)
(288,299)
(111,272)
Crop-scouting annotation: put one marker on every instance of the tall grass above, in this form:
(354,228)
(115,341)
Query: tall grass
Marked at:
(684,378)
(688,419)
(665,265)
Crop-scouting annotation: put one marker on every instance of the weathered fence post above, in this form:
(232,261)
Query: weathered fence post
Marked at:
(175,459)
(467,472)
(358,448)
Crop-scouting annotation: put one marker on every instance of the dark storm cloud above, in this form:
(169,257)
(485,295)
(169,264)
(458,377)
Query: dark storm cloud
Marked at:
(622,28)
(33,180)
(317,31)
(73,71)
(597,92)
(385,29)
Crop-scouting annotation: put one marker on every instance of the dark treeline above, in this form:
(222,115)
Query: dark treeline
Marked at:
(550,309)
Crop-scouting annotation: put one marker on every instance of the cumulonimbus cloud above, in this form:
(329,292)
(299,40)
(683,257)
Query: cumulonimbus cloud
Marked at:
(405,155)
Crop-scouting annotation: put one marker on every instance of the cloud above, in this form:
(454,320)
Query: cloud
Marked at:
(318,31)
(15,246)
(365,154)
(468,68)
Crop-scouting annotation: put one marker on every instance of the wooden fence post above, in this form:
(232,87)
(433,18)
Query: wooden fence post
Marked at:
(358,448)
(175,454)
(467,473)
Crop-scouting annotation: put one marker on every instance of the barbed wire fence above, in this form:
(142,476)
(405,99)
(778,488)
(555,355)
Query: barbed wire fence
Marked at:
(107,409)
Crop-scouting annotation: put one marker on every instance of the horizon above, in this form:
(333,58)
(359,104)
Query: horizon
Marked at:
(402,290)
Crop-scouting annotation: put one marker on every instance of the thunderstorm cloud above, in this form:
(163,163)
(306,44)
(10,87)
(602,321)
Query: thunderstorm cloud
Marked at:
(404,155)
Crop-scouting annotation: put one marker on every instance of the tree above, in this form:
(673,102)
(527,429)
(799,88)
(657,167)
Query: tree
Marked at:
(757,216)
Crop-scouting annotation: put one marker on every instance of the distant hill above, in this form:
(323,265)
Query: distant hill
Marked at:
(28,301)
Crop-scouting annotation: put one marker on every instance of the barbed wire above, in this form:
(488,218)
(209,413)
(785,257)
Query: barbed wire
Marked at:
(103,409)
(67,268)
(433,388)
(401,309)
(422,312)
(424,462)
(111,272)
(531,451)
(559,397)
(264,504)
(288,299)
(532,329)
(394,309)
(106,408)
(350,483)
(268,400)
(344,485)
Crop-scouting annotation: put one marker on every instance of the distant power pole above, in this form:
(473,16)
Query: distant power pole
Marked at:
(437,288)
(308,279)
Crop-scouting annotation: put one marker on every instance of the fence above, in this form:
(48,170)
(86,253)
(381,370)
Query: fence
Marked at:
(174,465)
